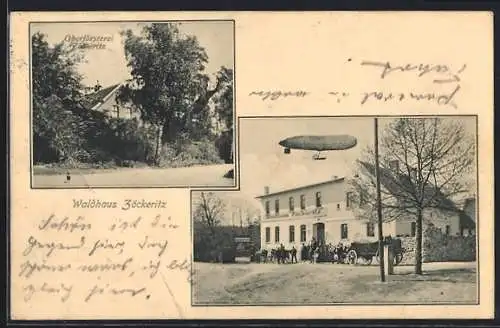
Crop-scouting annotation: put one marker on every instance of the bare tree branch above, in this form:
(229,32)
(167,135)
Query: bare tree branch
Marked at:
(435,154)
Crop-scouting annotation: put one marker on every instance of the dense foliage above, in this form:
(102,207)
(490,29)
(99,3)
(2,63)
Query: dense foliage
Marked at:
(168,88)
(168,85)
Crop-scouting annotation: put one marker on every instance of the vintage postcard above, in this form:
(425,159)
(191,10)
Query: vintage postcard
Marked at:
(271,165)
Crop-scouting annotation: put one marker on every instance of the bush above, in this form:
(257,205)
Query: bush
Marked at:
(124,141)
(82,136)
(189,153)
(57,131)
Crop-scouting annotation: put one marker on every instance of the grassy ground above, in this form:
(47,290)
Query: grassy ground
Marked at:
(306,283)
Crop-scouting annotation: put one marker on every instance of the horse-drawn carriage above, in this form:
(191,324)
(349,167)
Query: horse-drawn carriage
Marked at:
(355,252)
(366,251)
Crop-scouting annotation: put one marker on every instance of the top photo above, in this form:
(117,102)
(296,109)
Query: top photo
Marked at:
(132,104)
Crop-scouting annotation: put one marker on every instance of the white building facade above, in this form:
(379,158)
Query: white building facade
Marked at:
(324,211)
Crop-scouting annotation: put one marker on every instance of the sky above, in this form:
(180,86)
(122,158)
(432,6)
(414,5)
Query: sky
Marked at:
(109,66)
(263,163)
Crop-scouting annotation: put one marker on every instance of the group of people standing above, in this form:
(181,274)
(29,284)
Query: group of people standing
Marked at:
(281,255)
(313,252)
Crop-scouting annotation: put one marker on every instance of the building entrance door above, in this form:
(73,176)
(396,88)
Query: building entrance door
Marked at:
(319,231)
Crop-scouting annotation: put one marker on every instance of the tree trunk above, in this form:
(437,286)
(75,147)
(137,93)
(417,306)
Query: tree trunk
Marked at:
(159,144)
(418,242)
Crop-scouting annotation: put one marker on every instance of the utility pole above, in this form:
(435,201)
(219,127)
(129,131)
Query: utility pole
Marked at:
(379,208)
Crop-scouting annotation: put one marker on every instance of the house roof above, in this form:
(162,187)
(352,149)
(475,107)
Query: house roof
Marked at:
(92,100)
(302,187)
(402,184)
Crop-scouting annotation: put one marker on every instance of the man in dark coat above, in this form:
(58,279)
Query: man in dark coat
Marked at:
(282,253)
(294,254)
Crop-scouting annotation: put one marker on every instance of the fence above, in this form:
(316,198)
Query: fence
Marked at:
(439,247)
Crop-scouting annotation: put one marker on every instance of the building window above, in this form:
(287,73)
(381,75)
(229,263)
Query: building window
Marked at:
(268,235)
(370,229)
(291,204)
(448,228)
(302,202)
(277,206)
(291,231)
(343,231)
(303,233)
(413,229)
(268,208)
(348,197)
(276,234)
(318,199)
(338,207)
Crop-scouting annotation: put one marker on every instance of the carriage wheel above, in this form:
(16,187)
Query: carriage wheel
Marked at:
(352,257)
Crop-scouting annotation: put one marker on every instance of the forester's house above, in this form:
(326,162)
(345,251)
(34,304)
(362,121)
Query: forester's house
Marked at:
(325,211)
(104,100)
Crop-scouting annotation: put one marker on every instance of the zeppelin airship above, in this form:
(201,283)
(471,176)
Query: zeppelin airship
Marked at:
(318,143)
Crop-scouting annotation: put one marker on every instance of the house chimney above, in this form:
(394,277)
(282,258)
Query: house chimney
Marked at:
(266,190)
(334,177)
(394,165)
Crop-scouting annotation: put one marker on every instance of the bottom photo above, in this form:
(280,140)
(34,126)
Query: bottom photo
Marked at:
(342,210)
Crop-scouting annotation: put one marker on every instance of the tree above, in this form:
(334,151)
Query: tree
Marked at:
(224,111)
(56,92)
(423,165)
(168,85)
(209,210)
(209,238)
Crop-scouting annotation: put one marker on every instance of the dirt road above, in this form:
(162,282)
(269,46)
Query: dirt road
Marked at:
(306,283)
(196,176)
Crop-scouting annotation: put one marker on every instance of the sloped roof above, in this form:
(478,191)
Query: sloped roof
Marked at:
(403,184)
(400,184)
(93,99)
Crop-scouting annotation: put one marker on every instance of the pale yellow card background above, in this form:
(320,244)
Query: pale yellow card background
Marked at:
(274,51)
